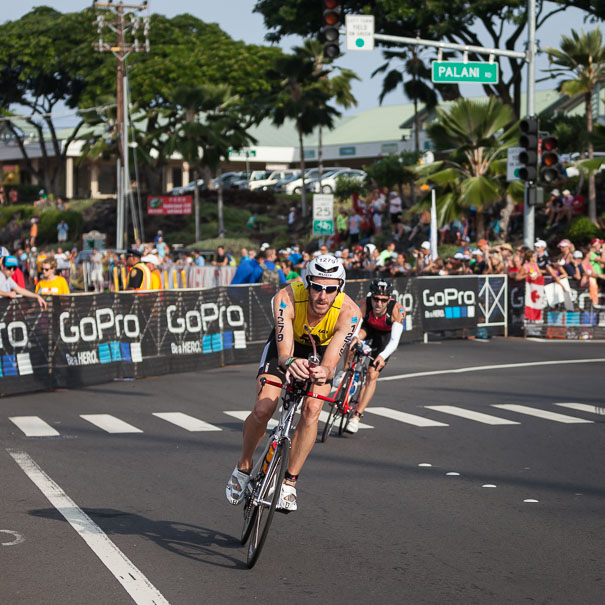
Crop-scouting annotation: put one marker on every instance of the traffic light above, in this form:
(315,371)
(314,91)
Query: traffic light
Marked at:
(529,156)
(549,170)
(331,22)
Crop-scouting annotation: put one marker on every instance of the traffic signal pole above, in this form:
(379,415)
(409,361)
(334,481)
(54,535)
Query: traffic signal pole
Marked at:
(529,56)
(529,212)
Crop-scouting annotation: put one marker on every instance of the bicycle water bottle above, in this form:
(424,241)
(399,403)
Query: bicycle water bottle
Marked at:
(269,456)
(354,383)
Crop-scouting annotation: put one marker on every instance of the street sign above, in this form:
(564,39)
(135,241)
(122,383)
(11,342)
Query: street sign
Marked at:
(360,32)
(513,164)
(323,214)
(450,71)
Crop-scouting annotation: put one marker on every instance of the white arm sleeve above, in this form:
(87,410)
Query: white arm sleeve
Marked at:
(396,332)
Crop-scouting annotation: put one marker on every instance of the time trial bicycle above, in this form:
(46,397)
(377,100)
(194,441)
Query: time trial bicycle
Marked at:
(263,490)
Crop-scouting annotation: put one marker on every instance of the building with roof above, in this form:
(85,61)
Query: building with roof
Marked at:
(354,141)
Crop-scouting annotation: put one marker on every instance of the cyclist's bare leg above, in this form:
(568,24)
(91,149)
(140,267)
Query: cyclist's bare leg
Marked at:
(255,425)
(368,390)
(306,431)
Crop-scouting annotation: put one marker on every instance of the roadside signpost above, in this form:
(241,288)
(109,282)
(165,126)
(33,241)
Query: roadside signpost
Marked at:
(513,164)
(360,32)
(323,214)
(476,71)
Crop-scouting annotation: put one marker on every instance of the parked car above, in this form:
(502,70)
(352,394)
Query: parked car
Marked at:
(187,189)
(255,175)
(266,184)
(229,179)
(328,181)
(279,186)
(296,185)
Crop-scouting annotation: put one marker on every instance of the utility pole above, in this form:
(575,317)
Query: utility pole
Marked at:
(125,22)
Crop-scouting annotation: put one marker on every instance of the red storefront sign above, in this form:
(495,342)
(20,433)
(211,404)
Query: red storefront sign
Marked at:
(169,204)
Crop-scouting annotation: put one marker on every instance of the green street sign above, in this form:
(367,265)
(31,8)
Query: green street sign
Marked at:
(449,71)
(323,227)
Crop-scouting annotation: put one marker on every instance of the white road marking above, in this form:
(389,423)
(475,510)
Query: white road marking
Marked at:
(17,537)
(243,414)
(134,582)
(530,500)
(404,417)
(502,366)
(33,426)
(110,423)
(524,409)
(452,474)
(583,407)
(189,423)
(425,464)
(488,485)
(323,417)
(470,415)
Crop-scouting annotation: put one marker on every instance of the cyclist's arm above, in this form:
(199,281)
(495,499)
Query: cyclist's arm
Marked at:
(283,311)
(346,326)
(396,332)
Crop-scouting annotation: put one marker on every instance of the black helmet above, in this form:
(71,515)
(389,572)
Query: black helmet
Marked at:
(381,286)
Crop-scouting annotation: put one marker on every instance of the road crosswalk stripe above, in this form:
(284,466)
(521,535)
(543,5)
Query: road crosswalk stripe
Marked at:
(110,423)
(554,416)
(470,414)
(34,426)
(243,414)
(583,407)
(404,417)
(189,423)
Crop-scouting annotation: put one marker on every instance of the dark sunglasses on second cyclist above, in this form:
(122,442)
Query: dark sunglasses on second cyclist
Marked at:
(380,299)
(320,288)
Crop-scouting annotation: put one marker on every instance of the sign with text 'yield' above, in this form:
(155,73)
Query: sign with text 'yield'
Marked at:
(360,32)
(450,71)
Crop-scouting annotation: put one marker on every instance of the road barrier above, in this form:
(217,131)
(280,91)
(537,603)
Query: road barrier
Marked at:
(85,339)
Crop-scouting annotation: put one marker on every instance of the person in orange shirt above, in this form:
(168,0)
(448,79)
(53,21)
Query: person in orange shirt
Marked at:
(51,283)
(153,263)
(33,232)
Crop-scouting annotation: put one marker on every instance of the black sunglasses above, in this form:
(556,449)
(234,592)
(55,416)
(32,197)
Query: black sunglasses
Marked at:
(380,299)
(320,288)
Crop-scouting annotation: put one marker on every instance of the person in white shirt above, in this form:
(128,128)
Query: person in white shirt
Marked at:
(395,208)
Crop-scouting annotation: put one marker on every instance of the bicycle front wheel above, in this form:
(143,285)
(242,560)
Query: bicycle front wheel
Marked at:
(268,498)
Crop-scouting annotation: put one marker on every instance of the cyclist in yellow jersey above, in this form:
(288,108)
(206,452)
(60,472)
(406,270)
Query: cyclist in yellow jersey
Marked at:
(332,318)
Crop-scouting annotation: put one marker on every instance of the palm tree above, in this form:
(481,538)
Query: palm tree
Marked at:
(476,134)
(339,84)
(302,96)
(581,63)
(203,123)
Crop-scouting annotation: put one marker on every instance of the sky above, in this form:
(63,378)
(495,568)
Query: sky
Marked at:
(237,19)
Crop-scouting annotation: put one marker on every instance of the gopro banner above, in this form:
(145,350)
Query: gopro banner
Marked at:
(448,303)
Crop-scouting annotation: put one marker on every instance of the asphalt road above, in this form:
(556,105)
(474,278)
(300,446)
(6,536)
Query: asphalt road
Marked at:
(375,522)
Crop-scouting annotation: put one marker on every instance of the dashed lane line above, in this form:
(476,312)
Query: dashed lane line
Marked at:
(110,423)
(584,407)
(141,590)
(554,416)
(470,414)
(184,421)
(34,426)
(404,417)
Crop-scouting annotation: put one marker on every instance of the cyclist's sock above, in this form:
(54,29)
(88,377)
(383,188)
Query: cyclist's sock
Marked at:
(291,479)
(358,414)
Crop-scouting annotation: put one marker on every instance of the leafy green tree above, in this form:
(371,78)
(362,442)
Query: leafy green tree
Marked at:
(489,23)
(46,58)
(581,63)
(478,133)
(393,170)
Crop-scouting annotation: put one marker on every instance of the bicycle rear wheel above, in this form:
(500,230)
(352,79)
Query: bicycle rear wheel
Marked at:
(261,518)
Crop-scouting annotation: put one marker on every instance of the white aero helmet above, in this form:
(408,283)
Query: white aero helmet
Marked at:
(328,266)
